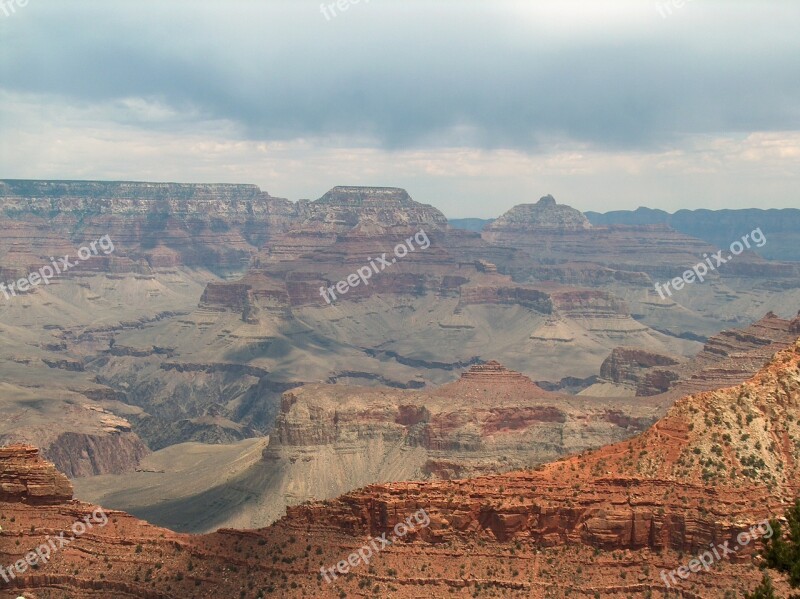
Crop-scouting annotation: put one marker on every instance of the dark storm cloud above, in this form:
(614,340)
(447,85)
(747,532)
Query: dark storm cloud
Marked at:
(402,74)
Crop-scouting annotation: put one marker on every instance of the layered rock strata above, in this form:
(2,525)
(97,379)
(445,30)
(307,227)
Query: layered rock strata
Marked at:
(606,522)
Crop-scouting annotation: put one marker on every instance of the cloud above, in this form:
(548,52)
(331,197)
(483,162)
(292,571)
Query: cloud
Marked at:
(45,138)
(401,74)
(472,106)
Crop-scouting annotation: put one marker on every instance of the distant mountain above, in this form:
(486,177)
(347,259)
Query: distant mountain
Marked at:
(720,227)
(470,224)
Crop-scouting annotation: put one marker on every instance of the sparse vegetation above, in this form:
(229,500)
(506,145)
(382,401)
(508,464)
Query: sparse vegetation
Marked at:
(781,553)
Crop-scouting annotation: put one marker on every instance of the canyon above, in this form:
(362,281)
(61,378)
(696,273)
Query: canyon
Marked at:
(197,379)
(330,439)
(605,522)
(212,296)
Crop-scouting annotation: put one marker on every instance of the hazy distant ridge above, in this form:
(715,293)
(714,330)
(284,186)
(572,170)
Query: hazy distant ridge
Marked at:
(720,227)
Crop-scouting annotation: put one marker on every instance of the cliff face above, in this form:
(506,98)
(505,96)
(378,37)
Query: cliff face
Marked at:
(726,359)
(83,439)
(81,454)
(333,237)
(25,476)
(491,414)
(499,294)
(330,439)
(162,225)
(371,208)
(637,368)
(720,421)
(654,492)
(104,197)
(153,225)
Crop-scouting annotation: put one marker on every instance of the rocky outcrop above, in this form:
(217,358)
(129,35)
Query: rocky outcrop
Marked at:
(626,365)
(650,493)
(370,209)
(329,240)
(465,416)
(505,295)
(493,373)
(331,439)
(545,215)
(86,439)
(232,296)
(727,358)
(25,476)
(492,419)
(727,426)
(585,303)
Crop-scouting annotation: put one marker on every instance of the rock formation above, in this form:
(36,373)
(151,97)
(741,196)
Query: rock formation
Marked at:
(544,215)
(27,477)
(330,439)
(726,359)
(606,522)
(153,225)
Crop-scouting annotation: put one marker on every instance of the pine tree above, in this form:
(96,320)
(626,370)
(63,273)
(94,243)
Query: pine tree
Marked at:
(763,591)
(783,554)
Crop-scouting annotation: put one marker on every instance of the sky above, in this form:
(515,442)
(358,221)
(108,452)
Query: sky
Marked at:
(472,106)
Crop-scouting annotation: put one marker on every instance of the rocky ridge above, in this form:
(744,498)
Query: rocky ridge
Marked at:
(153,225)
(727,358)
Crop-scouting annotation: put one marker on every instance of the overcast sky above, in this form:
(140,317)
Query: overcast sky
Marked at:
(472,106)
